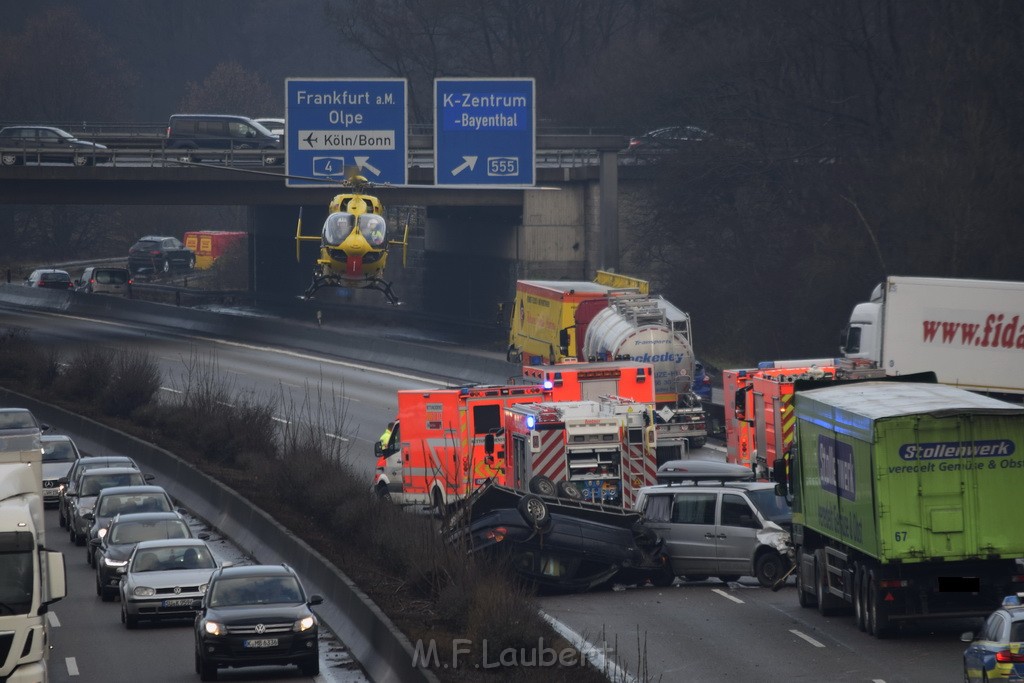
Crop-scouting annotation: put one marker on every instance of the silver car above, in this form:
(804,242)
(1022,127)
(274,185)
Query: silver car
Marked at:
(83,498)
(59,454)
(163,580)
(715,525)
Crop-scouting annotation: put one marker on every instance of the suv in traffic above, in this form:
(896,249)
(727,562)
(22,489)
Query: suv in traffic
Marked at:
(190,133)
(104,280)
(256,615)
(715,522)
(159,254)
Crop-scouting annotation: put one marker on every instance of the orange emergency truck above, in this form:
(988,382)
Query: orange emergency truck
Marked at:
(447,442)
(759,415)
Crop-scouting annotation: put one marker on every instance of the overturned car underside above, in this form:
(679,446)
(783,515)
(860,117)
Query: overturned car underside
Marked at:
(558,544)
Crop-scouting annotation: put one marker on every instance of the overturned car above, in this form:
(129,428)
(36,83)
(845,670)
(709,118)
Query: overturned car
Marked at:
(558,544)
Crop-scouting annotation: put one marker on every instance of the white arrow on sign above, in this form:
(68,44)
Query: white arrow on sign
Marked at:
(468,162)
(364,162)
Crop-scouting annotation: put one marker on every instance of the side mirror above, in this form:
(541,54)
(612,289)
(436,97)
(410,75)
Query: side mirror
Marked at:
(43,427)
(203,536)
(148,477)
(563,341)
(88,515)
(967,636)
(315,600)
(779,475)
(378,450)
(96,542)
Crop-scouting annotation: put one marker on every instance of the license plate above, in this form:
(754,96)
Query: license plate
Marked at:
(263,642)
(178,602)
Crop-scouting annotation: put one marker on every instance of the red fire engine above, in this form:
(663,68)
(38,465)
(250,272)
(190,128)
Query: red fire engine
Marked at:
(678,427)
(602,451)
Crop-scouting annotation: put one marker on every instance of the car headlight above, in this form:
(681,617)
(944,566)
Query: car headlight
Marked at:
(305,623)
(202,588)
(214,628)
(114,563)
(102,532)
(143,592)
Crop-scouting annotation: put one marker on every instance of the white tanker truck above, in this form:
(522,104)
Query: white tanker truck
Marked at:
(650,330)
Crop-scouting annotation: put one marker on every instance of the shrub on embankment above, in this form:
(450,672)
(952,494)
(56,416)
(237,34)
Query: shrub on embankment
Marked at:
(298,472)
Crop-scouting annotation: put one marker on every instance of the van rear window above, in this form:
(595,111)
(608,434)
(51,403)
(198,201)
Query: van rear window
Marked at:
(111,277)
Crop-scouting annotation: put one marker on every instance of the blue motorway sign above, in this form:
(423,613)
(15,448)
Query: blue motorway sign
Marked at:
(484,131)
(336,125)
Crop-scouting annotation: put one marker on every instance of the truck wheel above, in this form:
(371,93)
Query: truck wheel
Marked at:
(437,503)
(543,486)
(569,490)
(878,617)
(859,613)
(697,443)
(383,493)
(805,598)
(768,569)
(828,604)
(534,511)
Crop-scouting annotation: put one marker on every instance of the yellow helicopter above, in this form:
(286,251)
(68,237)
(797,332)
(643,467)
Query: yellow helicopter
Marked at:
(353,243)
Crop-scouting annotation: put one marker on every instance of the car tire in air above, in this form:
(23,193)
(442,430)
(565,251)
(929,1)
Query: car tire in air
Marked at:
(534,511)
(543,486)
(569,490)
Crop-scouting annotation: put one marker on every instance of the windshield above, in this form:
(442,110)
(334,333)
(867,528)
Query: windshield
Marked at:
(373,229)
(92,485)
(771,506)
(255,590)
(17,419)
(172,558)
(15,582)
(136,532)
(58,451)
(129,503)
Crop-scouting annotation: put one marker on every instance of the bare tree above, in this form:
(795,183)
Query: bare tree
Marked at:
(229,89)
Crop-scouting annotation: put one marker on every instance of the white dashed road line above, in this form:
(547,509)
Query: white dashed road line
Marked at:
(726,595)
(806,637)
(72,666)
(52,620)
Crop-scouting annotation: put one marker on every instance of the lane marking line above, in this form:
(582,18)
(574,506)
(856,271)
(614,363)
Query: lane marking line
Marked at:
(594,654)
(806,637)
(51,618)
(72,666)
(726,595)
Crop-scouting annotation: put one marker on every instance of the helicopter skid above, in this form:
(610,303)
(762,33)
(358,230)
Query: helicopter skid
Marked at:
(328,281)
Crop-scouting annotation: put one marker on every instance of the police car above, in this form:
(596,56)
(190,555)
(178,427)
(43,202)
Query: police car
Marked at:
(996,652)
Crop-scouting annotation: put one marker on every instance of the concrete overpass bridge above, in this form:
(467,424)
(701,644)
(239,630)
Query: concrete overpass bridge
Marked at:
(465,258)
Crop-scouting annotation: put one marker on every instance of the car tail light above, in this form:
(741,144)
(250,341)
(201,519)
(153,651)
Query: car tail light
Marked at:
(893,583)
(155,252)
(39,284)
(496,534)
(1018,578)
(1005,656)
(168,131)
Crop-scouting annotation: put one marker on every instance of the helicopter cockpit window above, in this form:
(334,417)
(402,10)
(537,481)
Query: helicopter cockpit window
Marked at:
(373,229)
(337,227)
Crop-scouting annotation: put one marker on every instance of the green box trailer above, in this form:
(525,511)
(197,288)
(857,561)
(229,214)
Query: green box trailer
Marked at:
(906,501)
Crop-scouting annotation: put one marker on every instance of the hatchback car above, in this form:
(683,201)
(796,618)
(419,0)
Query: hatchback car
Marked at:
(715,524)
(69,483)
(996,652)
(115,500)
(124,533)
(49,278)
(256,615)
(104,280)
(160,254)
(38,144)
(163,580)
(59,455)
(83,499)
